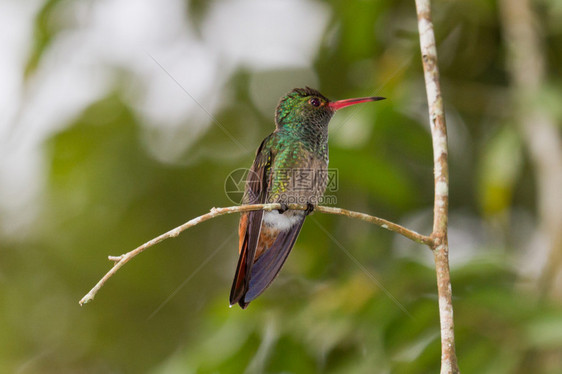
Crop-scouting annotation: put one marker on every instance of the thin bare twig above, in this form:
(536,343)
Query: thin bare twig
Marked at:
(215,212)
(441,179)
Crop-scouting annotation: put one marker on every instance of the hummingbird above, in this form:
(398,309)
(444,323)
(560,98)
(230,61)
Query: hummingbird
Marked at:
(290,167)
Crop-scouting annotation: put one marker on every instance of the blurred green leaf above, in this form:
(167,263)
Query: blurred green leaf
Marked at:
(545,330)
(500,168)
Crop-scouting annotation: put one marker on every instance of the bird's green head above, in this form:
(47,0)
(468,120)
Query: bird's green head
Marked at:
(303,107)
(305,111)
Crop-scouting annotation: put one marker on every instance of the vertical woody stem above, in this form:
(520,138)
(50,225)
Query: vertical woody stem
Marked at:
(526,63)
(441,179)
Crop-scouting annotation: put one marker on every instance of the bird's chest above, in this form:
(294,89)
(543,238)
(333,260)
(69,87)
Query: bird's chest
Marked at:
(299,175)
(299,185)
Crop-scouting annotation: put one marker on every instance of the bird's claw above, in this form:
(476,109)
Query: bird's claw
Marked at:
(284,208)
(309,208)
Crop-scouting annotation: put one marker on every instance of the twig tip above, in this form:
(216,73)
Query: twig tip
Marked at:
(85,300)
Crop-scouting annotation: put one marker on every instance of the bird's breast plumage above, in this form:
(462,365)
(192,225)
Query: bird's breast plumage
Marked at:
(298,178)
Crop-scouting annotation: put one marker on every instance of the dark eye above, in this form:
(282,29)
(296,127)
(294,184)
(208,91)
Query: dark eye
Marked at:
(314,101)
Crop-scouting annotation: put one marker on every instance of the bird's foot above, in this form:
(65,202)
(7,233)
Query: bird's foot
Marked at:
(284,208)
(309,208)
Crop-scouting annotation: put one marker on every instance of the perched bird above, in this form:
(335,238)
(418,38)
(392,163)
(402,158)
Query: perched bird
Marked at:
(290,167)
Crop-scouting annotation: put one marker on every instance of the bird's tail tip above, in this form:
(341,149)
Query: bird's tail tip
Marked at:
(240,302)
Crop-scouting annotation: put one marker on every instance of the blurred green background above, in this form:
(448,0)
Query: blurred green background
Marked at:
(122,119)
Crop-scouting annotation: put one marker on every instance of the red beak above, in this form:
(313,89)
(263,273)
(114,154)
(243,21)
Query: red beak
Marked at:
(335,105)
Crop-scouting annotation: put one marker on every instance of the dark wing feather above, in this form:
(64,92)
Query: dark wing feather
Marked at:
(250,223)
(268,265)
